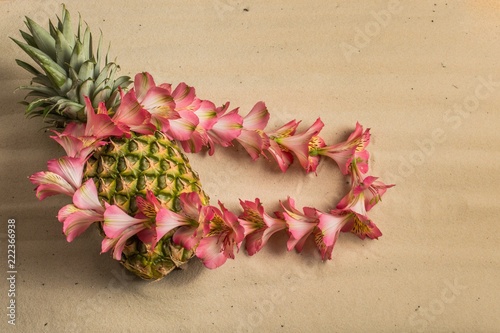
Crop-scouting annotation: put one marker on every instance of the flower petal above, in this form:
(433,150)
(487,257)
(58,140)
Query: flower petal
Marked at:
(76,223)
(210,253)
(99,125)
(227,128)
(330,226)
(119,244)
(184,96)
(130,113)
(257,118)
(116,221)
(187,236)
(273,226)
(66,211)
(86,197)
(283,158)
(299,143)
(143,82)
(253,242)
(362,227)
(159,102)
(167,220)
(71,145)
(70,168)
(182,128)
(207,115)
(50,183)
(232,221)
(191,204)
(252,142)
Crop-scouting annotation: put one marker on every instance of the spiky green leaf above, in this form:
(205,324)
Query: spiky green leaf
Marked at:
(28,38)
(63,50)
(66,27)
(122,82)
(86,89)
(102,96)
(45,42)
(77,57)
(87,43)
(86,70)
(28,67)
(41,89)
(55,72)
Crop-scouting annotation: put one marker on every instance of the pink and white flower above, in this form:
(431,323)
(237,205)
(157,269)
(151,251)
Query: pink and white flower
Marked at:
(221,234)
(362,227)
(119,226)
(131,116)
(85,210)
(207,117)
(300,224)
(64,177)
(354,147)
(283,157)
(298,144)
(252,136)
(258,226)
(193,215)
(369,189)
(329,227)
(227,128)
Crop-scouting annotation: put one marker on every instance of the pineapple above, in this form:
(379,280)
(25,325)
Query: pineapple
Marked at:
(124,168)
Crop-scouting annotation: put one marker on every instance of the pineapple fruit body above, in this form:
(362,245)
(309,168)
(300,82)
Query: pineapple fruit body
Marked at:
(128,167)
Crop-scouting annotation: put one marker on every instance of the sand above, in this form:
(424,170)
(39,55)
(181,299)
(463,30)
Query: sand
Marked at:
(423,75)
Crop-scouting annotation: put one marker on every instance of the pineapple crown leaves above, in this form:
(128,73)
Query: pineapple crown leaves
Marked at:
(69,72)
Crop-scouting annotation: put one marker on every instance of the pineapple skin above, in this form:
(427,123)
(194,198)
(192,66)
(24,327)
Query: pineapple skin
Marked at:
(128,167)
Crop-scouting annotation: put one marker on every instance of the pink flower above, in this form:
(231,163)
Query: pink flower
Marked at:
(118,243)
(99,125)
(207,117)
(85,210)
(80,140)
(314,144)
(64,177)
(328,231)
(221,234)
(299,143)
(131,115)
(119,227)
(343,153)
(252,137)
(300,225)
(193,214)
(185,98)
(74,141)
(369,189)
(285,141)
(183,127)
(283,157)
(257,225)
(225,130)
(362,227)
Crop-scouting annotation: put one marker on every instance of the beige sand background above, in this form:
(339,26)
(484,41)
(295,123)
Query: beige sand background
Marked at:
(425,78)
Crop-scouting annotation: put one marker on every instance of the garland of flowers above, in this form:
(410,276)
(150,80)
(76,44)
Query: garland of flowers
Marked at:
(213,232)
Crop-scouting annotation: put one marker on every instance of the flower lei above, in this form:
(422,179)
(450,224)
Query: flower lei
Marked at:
(213,232)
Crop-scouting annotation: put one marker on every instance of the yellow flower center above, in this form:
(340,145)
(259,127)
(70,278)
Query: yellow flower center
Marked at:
(217,226)
(359,227)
